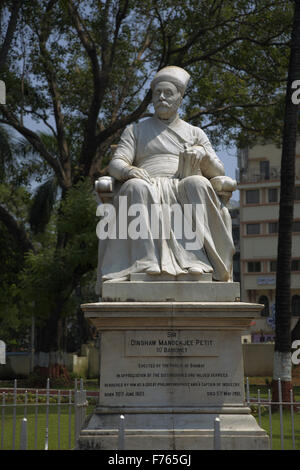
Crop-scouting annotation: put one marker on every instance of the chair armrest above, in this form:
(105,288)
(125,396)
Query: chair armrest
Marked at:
(224,187)
(105,184)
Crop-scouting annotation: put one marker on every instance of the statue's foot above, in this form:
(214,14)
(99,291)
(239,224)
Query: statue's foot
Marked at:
(153,270)
(117,279)
(195,271)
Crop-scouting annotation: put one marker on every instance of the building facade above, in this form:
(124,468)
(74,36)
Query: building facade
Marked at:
(234,210)
(259,185)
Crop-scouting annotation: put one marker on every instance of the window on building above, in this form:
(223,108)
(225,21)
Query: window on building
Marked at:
(234,213)
(236,267)
(273,195)
(254,266)
(252,229)
(252,196)
(266,310)
(236,234)
(264,167)
(273,227)
(296,226)
(295,265)
(273,266)
(296,305)
(297,193)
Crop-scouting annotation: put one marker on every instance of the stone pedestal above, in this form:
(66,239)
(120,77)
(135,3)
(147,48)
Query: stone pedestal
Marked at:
(185,288)
(171,368)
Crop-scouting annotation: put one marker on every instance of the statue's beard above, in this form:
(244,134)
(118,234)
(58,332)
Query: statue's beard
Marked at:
(165,110)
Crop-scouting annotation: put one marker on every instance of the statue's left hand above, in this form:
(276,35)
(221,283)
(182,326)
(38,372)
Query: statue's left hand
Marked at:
(195,154)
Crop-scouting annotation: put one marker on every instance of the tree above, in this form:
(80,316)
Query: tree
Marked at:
(12,10)
(83,69)
(14,244)
(14,323)
(282,356)
(27,244)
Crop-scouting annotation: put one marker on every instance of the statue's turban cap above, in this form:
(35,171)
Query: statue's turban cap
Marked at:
(176,75)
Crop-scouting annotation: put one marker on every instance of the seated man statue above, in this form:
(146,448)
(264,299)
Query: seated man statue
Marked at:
(163,161)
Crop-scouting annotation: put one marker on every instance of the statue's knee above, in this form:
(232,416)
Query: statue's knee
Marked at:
(196,181)
(135,185)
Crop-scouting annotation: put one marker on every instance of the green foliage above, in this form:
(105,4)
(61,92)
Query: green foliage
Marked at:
(257,409)
(78,222)
(236,52)
(14,320)
(43,202)
(77,73)
(50,270)
(6,153)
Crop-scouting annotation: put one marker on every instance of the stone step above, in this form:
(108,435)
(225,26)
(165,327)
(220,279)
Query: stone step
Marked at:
(199,277)
(176,291)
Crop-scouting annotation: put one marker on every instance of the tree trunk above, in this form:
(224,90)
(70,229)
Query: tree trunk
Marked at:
(11,28)
(50,355)
(296,331)
(282,356)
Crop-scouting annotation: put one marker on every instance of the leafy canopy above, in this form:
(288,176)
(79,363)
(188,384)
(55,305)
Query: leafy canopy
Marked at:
(76,74)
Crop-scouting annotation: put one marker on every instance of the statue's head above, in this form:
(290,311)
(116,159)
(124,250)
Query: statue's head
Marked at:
(168,87)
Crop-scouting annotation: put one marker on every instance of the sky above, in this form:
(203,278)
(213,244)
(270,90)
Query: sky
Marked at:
(229,159)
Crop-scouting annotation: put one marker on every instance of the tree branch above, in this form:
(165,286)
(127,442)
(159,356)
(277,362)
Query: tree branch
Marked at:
(84,36)
(55,95)
(209,54)
(129,71)
(217,110)
(243,69)
(100,81)
(165,48)
(102,136)
(192,38)
(43,118)
(246,127)
(121,15)
(16,5)
(36,142)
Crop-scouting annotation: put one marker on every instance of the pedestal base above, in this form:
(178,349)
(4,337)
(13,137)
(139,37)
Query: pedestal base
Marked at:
(171,368)
(174,431)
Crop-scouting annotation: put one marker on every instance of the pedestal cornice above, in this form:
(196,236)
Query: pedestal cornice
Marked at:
(158,315)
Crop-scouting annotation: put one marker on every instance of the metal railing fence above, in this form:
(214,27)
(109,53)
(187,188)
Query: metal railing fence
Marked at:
(280,419)
(277,417)
(48,411)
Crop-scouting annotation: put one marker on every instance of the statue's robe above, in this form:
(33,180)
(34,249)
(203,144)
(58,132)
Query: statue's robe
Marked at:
(155,147)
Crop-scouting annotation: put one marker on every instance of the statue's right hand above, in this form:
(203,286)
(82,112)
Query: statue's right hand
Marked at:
(135,172)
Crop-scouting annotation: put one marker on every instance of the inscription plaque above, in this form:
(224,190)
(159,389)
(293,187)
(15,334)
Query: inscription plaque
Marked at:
(194,373)
(170,343)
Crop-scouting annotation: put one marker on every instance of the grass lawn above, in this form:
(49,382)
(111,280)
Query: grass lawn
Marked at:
(275,441)
(256,384)
(66,427)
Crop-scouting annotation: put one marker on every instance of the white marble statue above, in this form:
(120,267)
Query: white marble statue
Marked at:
(164,161)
